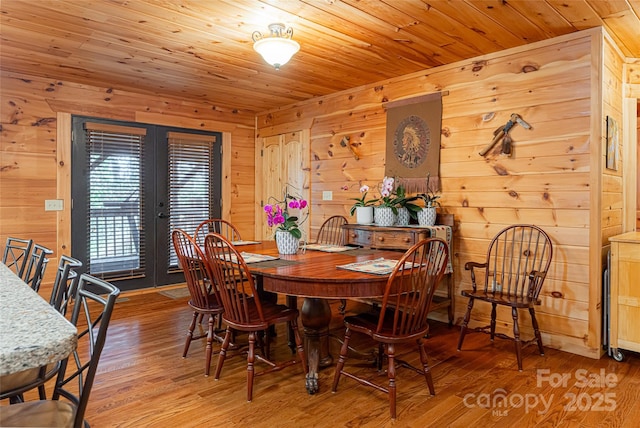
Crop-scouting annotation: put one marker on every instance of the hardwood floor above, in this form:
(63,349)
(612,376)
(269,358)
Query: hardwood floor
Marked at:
(144,382)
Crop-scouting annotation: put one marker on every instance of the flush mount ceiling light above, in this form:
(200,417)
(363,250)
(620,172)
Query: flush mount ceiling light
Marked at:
(278,48)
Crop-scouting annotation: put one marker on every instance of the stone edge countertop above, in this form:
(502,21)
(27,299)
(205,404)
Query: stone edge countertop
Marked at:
(32,332)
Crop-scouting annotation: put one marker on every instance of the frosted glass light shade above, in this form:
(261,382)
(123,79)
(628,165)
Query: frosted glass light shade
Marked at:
(279,47)
(276,51)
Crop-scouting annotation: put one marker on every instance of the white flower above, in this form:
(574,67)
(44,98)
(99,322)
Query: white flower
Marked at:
(364,188)
(387,184)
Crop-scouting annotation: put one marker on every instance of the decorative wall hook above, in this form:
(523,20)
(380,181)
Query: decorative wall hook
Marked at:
(503,133)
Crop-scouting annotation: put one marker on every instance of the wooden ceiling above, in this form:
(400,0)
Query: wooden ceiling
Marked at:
(202,49)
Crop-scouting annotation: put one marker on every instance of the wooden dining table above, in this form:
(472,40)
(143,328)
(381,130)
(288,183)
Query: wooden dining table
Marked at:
(314,275)
(32,333)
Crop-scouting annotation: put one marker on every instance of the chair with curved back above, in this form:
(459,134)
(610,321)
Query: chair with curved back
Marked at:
(515,268)
(217,225)
(16,254)
(64,288)
(94,303)
(204,297)
(245,311)
(38,261)
(331,231)
(402,316)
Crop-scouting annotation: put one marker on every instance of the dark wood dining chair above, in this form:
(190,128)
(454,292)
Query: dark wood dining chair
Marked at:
(513,272)
(64,287)
(216,225)
(245,311)
(94,303)
(16,254)
(204,298)
(331,231)
(402,316)
(38,261)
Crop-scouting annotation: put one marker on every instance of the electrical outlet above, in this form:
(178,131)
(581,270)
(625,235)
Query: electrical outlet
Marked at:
(327,195)
(53,205)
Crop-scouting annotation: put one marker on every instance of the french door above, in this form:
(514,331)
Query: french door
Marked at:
(132,185)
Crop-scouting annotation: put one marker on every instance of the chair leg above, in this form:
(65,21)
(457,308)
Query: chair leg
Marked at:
(536,330)
(343,306)
(42,393)
(493,321)
(16,399)
(391,373)
(343,356)
(299,345)
(223,352)
(251,356)
(516,337)
(422,345)
(209,348)
(465,323)
(192,326)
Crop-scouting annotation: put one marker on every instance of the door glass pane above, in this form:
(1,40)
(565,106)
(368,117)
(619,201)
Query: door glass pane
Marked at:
(191,178)
(115,210)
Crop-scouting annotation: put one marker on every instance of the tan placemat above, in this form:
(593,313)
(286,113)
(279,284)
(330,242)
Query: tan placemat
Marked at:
(274,263)
(360,252)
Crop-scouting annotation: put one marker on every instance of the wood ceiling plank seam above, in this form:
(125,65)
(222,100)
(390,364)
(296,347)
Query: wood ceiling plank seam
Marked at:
(624,29)
(479,23)
(512,20)
(119,41)
(293,95)
(413,25)
(207,66)
(374,37)
(577,12)
(251,97)
(550,21)
(430,18)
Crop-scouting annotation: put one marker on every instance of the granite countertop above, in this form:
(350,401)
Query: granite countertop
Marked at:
(32,332)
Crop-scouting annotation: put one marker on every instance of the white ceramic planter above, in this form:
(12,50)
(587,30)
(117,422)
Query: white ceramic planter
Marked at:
(364,215)
(286,242)
(403,216)
(384,216)
(427,217)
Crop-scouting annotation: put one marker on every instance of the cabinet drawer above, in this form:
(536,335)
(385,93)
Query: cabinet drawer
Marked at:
(394,240)
(359,237)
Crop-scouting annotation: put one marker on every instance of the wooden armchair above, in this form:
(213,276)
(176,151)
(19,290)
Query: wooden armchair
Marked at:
(516,266)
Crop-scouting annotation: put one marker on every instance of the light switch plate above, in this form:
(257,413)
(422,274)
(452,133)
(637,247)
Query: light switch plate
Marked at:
(327,195)
(53,205)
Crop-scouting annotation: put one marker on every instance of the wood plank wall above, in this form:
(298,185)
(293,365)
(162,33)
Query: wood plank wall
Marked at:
(34,165)
(552,179)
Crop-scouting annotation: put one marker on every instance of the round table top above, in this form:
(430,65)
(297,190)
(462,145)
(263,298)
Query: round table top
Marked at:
(316,274)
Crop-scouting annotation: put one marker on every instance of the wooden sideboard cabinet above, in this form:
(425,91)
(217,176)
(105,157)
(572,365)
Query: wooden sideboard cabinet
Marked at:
(624,294)
(402,238)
